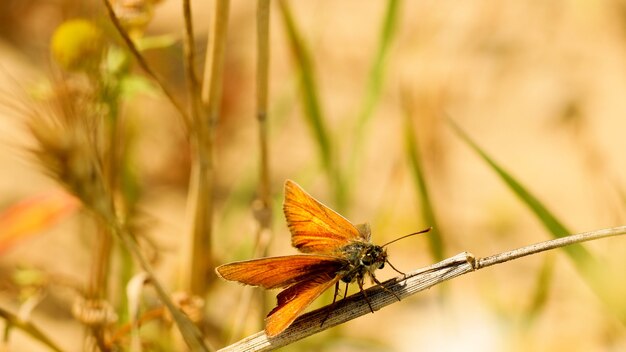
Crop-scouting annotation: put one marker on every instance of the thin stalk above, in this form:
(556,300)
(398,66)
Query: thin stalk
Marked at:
(195,112)
(142,61)
(262,207)
(190,69)
(264,196)
(103,249)
(203,173)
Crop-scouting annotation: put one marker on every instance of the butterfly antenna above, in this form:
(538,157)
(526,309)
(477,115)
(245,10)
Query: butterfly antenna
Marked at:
(409,235)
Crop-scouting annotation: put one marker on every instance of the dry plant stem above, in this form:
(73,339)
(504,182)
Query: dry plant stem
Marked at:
(142,61)
(201,268)
(104,241)
(262,206)
(263,15)
(548,245)
(190,58)
(99,273)
(355,306)
(197,133)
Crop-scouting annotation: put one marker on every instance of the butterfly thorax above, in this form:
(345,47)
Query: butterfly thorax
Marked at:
(361,258)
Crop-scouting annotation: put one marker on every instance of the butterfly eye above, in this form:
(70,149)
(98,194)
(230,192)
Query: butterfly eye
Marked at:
(367,260)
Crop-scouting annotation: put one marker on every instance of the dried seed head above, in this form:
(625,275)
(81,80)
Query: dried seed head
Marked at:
(134,15)
(94,312)
(67,134)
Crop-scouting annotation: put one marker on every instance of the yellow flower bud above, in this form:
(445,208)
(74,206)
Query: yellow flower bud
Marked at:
(77,45)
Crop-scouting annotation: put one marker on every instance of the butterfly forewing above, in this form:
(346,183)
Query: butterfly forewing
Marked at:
(314,227)
(275,272)
(292,301)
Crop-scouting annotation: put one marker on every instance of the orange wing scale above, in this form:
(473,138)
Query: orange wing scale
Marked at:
(292,301)
(276,272)
(314,227)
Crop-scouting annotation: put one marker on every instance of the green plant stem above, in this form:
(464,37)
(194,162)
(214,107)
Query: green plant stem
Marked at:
(142,61)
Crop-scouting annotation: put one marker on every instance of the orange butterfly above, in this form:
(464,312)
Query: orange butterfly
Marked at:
(339,251)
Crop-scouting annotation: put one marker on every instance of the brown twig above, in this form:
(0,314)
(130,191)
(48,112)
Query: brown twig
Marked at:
(354,306)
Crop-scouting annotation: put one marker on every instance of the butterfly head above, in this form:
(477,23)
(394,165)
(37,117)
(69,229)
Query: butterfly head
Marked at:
(374,257)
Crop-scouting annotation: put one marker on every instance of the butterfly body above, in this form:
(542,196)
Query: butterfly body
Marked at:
(362,258)
(334,250)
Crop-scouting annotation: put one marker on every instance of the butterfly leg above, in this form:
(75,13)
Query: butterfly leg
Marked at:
(383,286)
(394,268)
(332,305)
(360,282)
(336,292)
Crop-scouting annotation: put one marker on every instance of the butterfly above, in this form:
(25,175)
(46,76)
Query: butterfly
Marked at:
(335,251)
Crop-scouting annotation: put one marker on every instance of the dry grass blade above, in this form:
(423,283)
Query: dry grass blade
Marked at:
(355,306)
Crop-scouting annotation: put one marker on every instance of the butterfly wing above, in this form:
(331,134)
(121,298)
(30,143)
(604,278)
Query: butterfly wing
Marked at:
(275,272)
(293,300)
(314,227)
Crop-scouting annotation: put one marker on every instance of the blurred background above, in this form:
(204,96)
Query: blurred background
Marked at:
(539,86)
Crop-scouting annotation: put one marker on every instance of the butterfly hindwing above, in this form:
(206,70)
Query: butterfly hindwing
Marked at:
(293,300)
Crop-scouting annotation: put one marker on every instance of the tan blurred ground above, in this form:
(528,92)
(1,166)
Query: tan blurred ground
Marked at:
(540,85)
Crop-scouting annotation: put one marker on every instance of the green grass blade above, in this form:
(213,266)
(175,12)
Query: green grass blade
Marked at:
(554,226)
(27,327)
(585,263)
(312,107)
(428,213)
(377,71)
(376,78)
